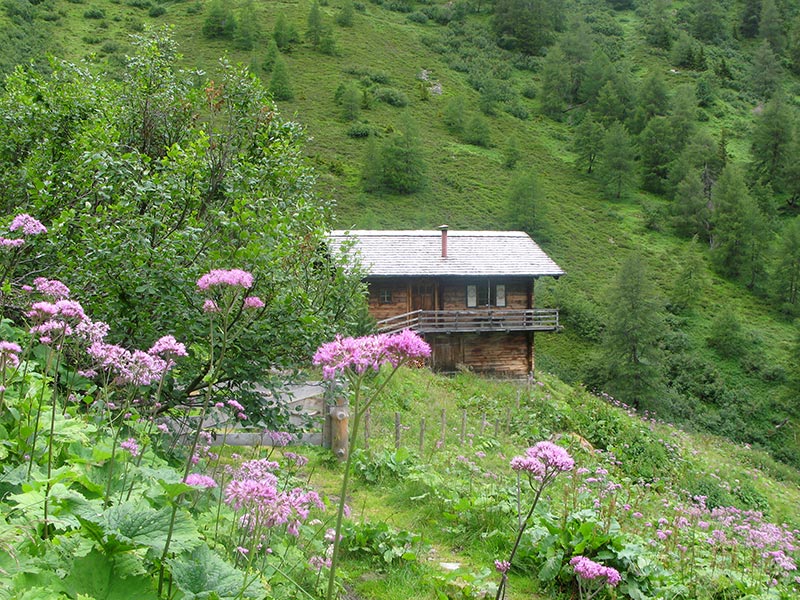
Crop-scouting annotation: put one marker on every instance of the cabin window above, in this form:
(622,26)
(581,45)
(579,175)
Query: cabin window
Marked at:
(500,295)
(472,296)
(477,295)
(385,296)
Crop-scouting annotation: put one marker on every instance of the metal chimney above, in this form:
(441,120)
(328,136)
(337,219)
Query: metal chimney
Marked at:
(443,229)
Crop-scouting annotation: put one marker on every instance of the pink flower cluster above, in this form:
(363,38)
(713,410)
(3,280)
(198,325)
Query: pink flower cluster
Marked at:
(369,352)
(55,319)
(131,445)
(254,491)
(586,568)
(502,566)
(200,481)
(227,277)
(137,367)
(279,438)
(51,287)
(9,354)
(27,224)
(543,461)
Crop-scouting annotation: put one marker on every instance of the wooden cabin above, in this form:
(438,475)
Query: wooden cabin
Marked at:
(470,294)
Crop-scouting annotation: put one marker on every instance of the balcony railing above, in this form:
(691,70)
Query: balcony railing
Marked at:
(473,321)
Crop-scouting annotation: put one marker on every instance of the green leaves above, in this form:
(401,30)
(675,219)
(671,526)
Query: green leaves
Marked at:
(203,574)
(105,577)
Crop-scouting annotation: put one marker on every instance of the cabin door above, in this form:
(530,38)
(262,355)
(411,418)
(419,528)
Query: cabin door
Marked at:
(422,296)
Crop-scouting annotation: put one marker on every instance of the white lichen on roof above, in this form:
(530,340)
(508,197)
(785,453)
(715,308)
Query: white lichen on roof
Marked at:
(391,253)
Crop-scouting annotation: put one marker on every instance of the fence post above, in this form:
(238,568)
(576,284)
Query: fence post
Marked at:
(422,436)
(340,420)
(483,423)
(397,431)
(367,427)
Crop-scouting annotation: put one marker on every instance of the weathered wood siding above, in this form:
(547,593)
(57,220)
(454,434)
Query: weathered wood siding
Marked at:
(505,354)
(400,304)
(453,295)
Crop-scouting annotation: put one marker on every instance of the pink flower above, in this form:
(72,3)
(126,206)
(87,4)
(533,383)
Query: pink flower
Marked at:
(51,287)
(168,346)
(11,243)
(543,461)
(253,302)
(28,224)
(369,352)
(209,306)
(232,278)
(201,481)
(502,566)
(586,568)
(9,353)
(131,445)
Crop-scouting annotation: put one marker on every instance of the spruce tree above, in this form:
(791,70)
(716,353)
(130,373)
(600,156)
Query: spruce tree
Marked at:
(555,84)
(271,56)
(402,160)
(284,33)
(220,21)
(657,150)
(314,26)
(770,26)
(739,229)
(454,114)
(690,283)
(785,280)
(246,34)
(351,103)
(772,137)
(691,211)
(588,142)
(633,329)
(524,195)
(765,71)
(279,85)
(346,14)
(616,163)
(477,131)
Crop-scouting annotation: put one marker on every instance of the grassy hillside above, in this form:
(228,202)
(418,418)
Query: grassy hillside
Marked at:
(467,185)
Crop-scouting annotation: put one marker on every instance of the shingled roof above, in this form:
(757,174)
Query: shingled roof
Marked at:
(393,253)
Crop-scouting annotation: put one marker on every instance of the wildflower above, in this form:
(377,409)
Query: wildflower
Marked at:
(232,278)
(28,224)
(51,287)
(242,550)
(8,243)
(253,302)
(163,428)
(317,562)
(369,352)
(200,481)
(279,438)
(502,566)
(209,306)
(168,347)
(9,353)
(543,461)
(131,445)
(587,569)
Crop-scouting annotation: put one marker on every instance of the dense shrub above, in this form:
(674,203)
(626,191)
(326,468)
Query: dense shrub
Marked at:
(391,96)
(94,13)
(157,11)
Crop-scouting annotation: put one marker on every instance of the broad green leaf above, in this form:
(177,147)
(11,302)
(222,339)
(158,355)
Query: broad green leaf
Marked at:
(101,577)
(202,574)
(551,567)
(142,525)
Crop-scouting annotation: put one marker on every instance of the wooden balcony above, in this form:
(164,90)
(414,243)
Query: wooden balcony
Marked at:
(473,321)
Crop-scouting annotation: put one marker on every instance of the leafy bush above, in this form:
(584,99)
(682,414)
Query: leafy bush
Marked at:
(380,543)
(418,17)
(94,13)
(360,130)
(384,465)
(157,11)
(391,96)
